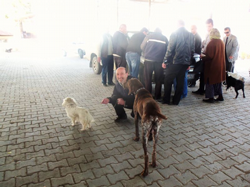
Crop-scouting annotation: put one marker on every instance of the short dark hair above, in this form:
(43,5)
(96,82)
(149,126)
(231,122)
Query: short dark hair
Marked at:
(210,21)
(144,29)
(227,28)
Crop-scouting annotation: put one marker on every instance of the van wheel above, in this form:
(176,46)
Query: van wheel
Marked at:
(97,68)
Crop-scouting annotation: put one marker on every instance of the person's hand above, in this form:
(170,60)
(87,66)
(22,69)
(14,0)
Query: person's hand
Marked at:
(98,59)
(231,57)
(164,65)
(202,55)
(105,101)
(120,101)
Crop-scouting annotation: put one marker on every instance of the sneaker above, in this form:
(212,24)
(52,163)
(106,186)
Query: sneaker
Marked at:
(111,84)
(219,99)
(121,118)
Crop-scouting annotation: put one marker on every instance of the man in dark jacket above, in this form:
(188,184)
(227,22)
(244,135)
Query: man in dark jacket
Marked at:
(154,47)
(120,98)
(134,52)
(120,43)
(176,61)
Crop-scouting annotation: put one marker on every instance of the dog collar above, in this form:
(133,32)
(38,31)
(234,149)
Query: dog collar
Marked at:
(139,90)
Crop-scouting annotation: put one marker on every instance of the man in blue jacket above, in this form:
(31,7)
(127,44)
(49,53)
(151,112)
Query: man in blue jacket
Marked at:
(154,48)
(120,98)
(176,61)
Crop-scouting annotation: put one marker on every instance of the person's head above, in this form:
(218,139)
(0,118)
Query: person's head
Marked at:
(144,30)
(121,75)
(193,29)
(209,24)
(123,28)
(180,23)
(227,31)
(158,30)
(214,34)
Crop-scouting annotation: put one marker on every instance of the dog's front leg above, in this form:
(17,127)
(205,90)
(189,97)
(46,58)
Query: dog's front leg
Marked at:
(243,92)
(144,144)
(136,138)
(73,120)
(237,93)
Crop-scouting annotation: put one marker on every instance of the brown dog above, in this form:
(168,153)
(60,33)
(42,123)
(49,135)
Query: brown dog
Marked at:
(148,110)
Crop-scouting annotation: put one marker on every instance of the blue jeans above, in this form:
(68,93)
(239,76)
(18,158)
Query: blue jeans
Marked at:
(185,91)
(133,61)
(107,68)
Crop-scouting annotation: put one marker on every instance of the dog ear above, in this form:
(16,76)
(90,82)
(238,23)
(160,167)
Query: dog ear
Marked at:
(128,83)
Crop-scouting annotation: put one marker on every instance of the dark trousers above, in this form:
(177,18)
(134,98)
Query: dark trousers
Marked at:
(120,61)
(107,68)
(119,109)
(174,71)
(149,67)
(213,90)
(202,84)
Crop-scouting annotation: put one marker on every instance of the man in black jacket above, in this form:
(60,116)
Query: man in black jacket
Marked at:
(154,47)
(134,52)
(176,61)
(120,43)
(120,98)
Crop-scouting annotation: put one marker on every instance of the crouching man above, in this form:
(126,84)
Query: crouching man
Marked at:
(120,98)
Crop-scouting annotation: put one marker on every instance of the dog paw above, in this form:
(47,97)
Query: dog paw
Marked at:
(73,124)
(136,139)
(144,173)
(153,165)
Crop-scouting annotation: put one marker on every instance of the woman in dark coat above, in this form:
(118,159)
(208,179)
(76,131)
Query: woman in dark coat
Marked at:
(214,67)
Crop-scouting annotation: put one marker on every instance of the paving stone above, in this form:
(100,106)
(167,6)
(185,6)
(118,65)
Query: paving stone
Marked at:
(245,167)
(238,182)
(124,156)
(78,160)
(89,165)
(154,176)
(246,177)
(102,181)
(35,154)
(61,156)
(78,177)
(103,171)
(27,179)
(172,181)
(96,156)
(41,160)
(201,171)
(135,182)
(45,183)
(33,169)
(62,180)
(169,161)
(186,177)
(61,163)
(219,177)
(182,167)
(121,166)
(110,160)
(49,174)
(215,167)
(134,171)
(232,172)
(81,184)
(113,178)
(212,158)
(10,166)
(112,152)
(204,182)
(228,163)
(15,173)
(240,158)
(72,169)
(167,172)
(1,176)
(10,182)
(135,162)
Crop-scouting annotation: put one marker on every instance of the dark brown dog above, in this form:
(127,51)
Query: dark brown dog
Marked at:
(148,110)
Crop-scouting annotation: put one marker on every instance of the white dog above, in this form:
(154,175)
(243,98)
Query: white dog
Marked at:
(77,114)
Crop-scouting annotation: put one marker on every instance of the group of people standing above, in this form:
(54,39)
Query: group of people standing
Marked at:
(169,60)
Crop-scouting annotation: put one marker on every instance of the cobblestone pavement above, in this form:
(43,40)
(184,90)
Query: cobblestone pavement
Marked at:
(199,145)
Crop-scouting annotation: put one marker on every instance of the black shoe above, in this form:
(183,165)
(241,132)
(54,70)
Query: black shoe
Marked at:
(219,99)
(105,85)
(211,100)
(132,114)
(165,102)
(121,118)
(198,92)
(111,84)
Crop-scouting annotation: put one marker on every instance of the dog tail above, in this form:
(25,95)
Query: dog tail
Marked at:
(91,119)
(161,116)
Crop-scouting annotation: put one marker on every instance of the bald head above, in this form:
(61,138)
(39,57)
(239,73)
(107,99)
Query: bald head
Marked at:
(193,29)
(123,28)
(121,75)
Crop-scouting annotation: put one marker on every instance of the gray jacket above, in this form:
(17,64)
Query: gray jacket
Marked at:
(232,47)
